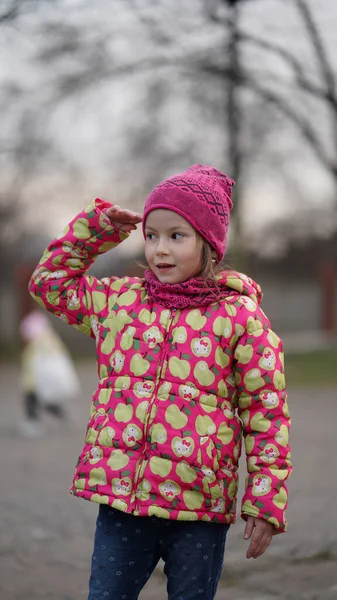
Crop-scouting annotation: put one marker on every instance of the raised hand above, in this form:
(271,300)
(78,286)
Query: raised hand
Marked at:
(261,533)
(123,219)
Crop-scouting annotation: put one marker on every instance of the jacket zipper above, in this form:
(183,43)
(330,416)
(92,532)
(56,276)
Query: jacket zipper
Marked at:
(165,354)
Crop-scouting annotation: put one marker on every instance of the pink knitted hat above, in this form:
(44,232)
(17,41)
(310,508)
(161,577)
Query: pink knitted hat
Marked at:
(203,196)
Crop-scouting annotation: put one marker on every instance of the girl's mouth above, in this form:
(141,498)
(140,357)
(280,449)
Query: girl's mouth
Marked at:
(164,267)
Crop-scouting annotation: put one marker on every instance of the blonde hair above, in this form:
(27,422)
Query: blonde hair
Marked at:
(209,265)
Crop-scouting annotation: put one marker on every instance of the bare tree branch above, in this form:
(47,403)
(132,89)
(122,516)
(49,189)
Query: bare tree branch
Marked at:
(317,42)
(11,13)
(297,118)
(298,68)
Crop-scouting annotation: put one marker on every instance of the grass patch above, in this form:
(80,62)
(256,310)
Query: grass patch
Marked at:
(308,369)
(317,368)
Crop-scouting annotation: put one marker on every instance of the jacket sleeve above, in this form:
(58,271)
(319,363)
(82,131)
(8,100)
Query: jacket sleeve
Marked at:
(263,409)
(60,284)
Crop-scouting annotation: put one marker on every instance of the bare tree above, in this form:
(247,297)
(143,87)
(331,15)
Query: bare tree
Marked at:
(322,88)
(244,101)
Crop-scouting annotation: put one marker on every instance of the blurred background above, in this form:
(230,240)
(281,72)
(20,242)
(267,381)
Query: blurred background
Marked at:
(106,99)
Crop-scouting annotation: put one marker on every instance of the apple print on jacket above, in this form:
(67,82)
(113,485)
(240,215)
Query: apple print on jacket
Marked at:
(169,489)
(147,317)
(118,460)
(228,409)
(222,358)
(97,477)
(106,436)
(279,380)
(185,472)
(152,337)
(143,389)
(248,303)
(222,327)
(127,338)
(160,466)
(268,359)
(123,412)
(243,354)
(123,383)
(176,418)
(131,435)
(179,335)
(195,319)
(118,320)
(117,361)
(203,374)
(121,486)
(94,326)
(95,455)
(208,477)
(280,499)
(218,505)
(193,499)
(188,391)
(269,453)
(164,390)
(273,339)
(141,410)
(208,403)
(269,399)
(179,368)
(204,425)
(158,434)
(261,485)
(138,365)
(201,346)
(182,446)
(253,380)
(282,436)
(143,489)
(126,298)
(73,300)
(170,385)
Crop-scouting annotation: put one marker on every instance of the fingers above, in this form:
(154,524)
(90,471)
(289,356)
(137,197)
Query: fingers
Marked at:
(127,228)
(261,538)
(249,528)
(121,215)
(265,542)
(258,545)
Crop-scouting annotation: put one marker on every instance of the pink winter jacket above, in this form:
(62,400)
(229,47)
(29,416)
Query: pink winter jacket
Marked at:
(176,390)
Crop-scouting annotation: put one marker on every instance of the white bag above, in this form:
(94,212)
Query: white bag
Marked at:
(56,378)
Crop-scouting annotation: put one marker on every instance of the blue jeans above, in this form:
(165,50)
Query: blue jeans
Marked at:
(127,549)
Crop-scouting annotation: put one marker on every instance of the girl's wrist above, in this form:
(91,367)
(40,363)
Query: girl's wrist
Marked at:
(107,220)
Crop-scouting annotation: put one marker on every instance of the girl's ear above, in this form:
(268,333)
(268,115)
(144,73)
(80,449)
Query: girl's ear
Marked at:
(214,257)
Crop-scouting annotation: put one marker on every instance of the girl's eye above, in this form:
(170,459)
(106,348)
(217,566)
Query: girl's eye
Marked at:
(177,236)
(150,236)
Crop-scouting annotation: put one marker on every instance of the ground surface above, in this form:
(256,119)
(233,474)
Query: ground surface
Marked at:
(46,535)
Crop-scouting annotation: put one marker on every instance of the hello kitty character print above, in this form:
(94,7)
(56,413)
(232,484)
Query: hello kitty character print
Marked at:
(178,389)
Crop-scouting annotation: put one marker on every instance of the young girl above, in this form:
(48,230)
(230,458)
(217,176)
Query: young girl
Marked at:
(187,363)
(48,377)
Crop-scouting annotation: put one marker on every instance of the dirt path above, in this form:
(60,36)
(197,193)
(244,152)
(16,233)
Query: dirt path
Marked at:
(46,535)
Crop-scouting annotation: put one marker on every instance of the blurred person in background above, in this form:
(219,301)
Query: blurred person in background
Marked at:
(188,365)
(48,377)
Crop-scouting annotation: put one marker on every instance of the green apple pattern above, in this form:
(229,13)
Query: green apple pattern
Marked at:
(178,390)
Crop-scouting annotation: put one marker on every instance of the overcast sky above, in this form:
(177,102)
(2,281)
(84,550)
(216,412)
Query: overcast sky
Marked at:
(90,127)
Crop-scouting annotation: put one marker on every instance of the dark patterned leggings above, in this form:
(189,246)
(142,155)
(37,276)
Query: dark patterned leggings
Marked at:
(127,549)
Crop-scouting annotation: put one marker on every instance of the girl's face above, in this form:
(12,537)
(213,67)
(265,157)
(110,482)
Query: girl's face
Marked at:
(172,246)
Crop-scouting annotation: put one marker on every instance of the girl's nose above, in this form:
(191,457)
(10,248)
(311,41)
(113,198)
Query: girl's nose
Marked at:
(161,246)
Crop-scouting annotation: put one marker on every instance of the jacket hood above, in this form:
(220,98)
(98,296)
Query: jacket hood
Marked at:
(240,283)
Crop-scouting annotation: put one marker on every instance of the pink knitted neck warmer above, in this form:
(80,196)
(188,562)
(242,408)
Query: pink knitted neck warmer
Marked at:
(195,292)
